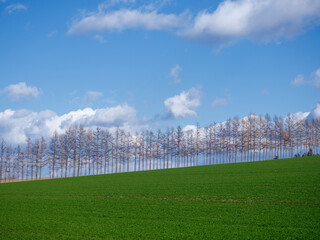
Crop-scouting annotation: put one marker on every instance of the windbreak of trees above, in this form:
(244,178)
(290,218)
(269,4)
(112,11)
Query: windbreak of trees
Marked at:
(79,151)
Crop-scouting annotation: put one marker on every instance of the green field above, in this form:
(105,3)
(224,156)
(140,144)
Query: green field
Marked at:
(278,199)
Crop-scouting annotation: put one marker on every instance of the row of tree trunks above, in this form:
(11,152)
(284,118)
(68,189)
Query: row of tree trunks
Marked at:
(79,151)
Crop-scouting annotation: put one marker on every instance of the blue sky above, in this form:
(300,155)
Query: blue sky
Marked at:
(167,63)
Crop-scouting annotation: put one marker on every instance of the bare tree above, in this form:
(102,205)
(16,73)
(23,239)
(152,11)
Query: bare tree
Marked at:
(54,149)
(2,158)
(88,151)
(81,137)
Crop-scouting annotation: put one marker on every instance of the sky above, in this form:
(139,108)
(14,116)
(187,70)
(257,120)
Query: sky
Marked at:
(154,64)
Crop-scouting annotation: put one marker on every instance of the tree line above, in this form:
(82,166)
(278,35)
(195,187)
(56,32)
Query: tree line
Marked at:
(80,151)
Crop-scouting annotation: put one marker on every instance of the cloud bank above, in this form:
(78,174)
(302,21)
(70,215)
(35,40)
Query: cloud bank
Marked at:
(16,126)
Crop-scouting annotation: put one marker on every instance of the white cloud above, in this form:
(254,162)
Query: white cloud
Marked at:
(254,19)
(122,1)
(157,4)
(219,102)
(314,80)
(91,96)
(184,104)
(52,33)
(105,5)
(315,113)
(16,126)
(3,1)
(298,80)
(174,74)
(190,128)
(126,19)
(21,91)
(15,7)
(100,38)
(301,115)
(263,20)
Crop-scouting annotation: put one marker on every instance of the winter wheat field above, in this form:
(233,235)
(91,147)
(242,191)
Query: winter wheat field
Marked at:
(96,96)
(275,199)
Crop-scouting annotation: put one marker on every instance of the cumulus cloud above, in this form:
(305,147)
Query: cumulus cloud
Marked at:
(21,91)
(16,126)
(174,74)
(122,19)
(313,80)
(254,19)
(219,102)
(15,7)
(184,104)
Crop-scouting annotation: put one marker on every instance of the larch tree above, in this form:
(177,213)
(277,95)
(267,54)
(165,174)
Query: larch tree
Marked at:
(2,158)
(54,149)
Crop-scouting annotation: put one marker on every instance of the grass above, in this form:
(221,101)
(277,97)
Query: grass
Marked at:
(278,199)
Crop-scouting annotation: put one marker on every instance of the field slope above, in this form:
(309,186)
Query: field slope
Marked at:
(278,199)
